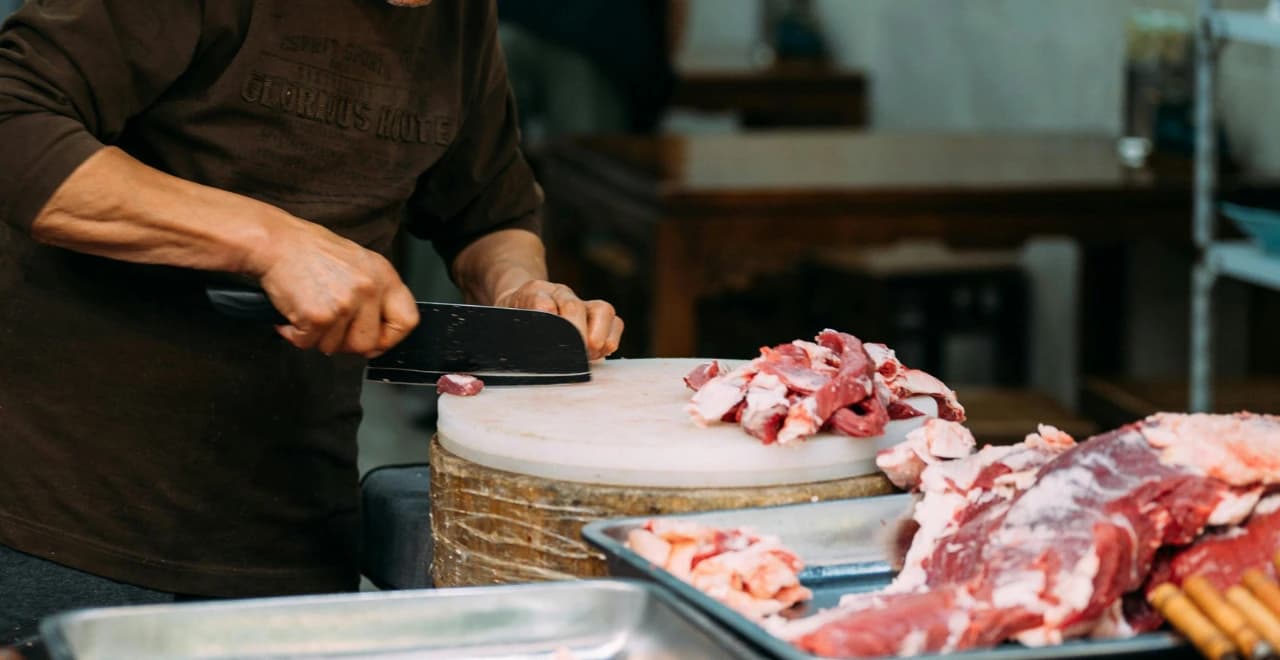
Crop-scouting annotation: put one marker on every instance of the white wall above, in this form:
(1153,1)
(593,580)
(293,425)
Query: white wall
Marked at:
(999,65)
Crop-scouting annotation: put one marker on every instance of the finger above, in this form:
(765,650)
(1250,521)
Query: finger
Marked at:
(334,336)
(600,315)
(365,329)
(399,317)
(303,338)
(615,337)
(572,309)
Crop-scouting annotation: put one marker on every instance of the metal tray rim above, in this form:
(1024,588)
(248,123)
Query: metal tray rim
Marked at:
(58,647)
(596,534)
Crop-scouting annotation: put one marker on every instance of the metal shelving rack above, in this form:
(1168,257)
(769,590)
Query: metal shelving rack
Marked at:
(1241,260)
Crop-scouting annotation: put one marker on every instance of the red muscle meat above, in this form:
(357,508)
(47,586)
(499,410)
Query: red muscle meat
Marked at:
(1223,555)
(1040,541)
(701,374)
(459,385)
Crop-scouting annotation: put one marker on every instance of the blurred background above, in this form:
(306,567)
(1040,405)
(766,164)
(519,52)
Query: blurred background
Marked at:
(1001,190)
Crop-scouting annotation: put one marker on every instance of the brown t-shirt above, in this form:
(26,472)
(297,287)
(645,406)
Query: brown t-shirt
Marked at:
(143,437)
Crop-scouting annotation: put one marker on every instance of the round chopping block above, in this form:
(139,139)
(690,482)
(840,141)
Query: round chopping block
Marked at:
(517,472)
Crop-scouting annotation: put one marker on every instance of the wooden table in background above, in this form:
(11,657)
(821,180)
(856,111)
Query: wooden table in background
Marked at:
(1116,402)
(696,208)
(779,96)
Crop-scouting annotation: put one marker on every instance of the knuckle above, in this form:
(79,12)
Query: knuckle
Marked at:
(363,285)
(341,304)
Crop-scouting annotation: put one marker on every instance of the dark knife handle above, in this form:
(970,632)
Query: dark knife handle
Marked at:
(244,303)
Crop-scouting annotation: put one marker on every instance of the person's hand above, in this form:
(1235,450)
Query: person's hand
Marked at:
(338,296)
(596,320)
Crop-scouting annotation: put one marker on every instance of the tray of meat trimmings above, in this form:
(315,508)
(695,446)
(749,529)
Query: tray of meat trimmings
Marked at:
(585,620)
(1044,549)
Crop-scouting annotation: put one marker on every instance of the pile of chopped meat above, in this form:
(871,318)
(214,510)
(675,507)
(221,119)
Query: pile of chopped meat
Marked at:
(1048,539)
(754,575)
(795,390)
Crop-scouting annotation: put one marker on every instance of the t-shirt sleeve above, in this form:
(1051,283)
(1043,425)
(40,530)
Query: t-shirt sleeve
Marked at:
(72,73)
(483,182)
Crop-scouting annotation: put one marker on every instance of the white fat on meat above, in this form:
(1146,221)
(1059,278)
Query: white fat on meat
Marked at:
(1112,624)
(766,401)
(1245,450)
(948,489)
(1072,592)
(957,624)
(802,421)
(649,545)
(936,515)
(817,353)
(933,442)
(1235,507)
(1268,504)
(719,395)
(881,356)
(913,644)
(914,382)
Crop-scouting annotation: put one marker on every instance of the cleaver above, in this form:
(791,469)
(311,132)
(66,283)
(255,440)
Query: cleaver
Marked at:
(499,345)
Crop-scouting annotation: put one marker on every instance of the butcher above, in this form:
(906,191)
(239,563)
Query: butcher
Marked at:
(152,450)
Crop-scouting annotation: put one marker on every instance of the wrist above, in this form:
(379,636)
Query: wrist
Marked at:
(262,233)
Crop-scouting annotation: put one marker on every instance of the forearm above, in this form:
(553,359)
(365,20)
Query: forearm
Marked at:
(114,206)
(498,264)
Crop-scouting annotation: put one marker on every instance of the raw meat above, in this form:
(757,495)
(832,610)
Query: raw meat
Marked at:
(936,440)
(1040,541)
(793,391)
(1223,555)
(754,575)
(701,374)
(904,382)
(459,385)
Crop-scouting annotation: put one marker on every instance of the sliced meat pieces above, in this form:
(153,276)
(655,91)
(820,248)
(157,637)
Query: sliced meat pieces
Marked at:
(751,574)
(793,391)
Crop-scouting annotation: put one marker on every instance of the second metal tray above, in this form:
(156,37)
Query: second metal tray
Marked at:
(592,620)
(842,543)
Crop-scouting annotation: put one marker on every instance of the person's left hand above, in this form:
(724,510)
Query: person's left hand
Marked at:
(596,319)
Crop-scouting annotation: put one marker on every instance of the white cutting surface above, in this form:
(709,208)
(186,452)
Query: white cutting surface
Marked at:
(628,427)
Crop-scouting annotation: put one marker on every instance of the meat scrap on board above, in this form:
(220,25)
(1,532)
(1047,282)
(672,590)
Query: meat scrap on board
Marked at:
(459,385)
(836,382)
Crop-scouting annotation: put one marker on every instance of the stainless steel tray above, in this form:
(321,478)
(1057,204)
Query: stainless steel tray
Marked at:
(594,620)
(842,545)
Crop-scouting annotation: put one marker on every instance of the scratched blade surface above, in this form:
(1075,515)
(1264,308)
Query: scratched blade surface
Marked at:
(502,346)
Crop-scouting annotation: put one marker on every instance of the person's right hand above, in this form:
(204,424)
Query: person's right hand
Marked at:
(338,296)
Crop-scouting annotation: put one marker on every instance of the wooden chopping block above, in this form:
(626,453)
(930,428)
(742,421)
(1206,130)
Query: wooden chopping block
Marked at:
(517,472)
